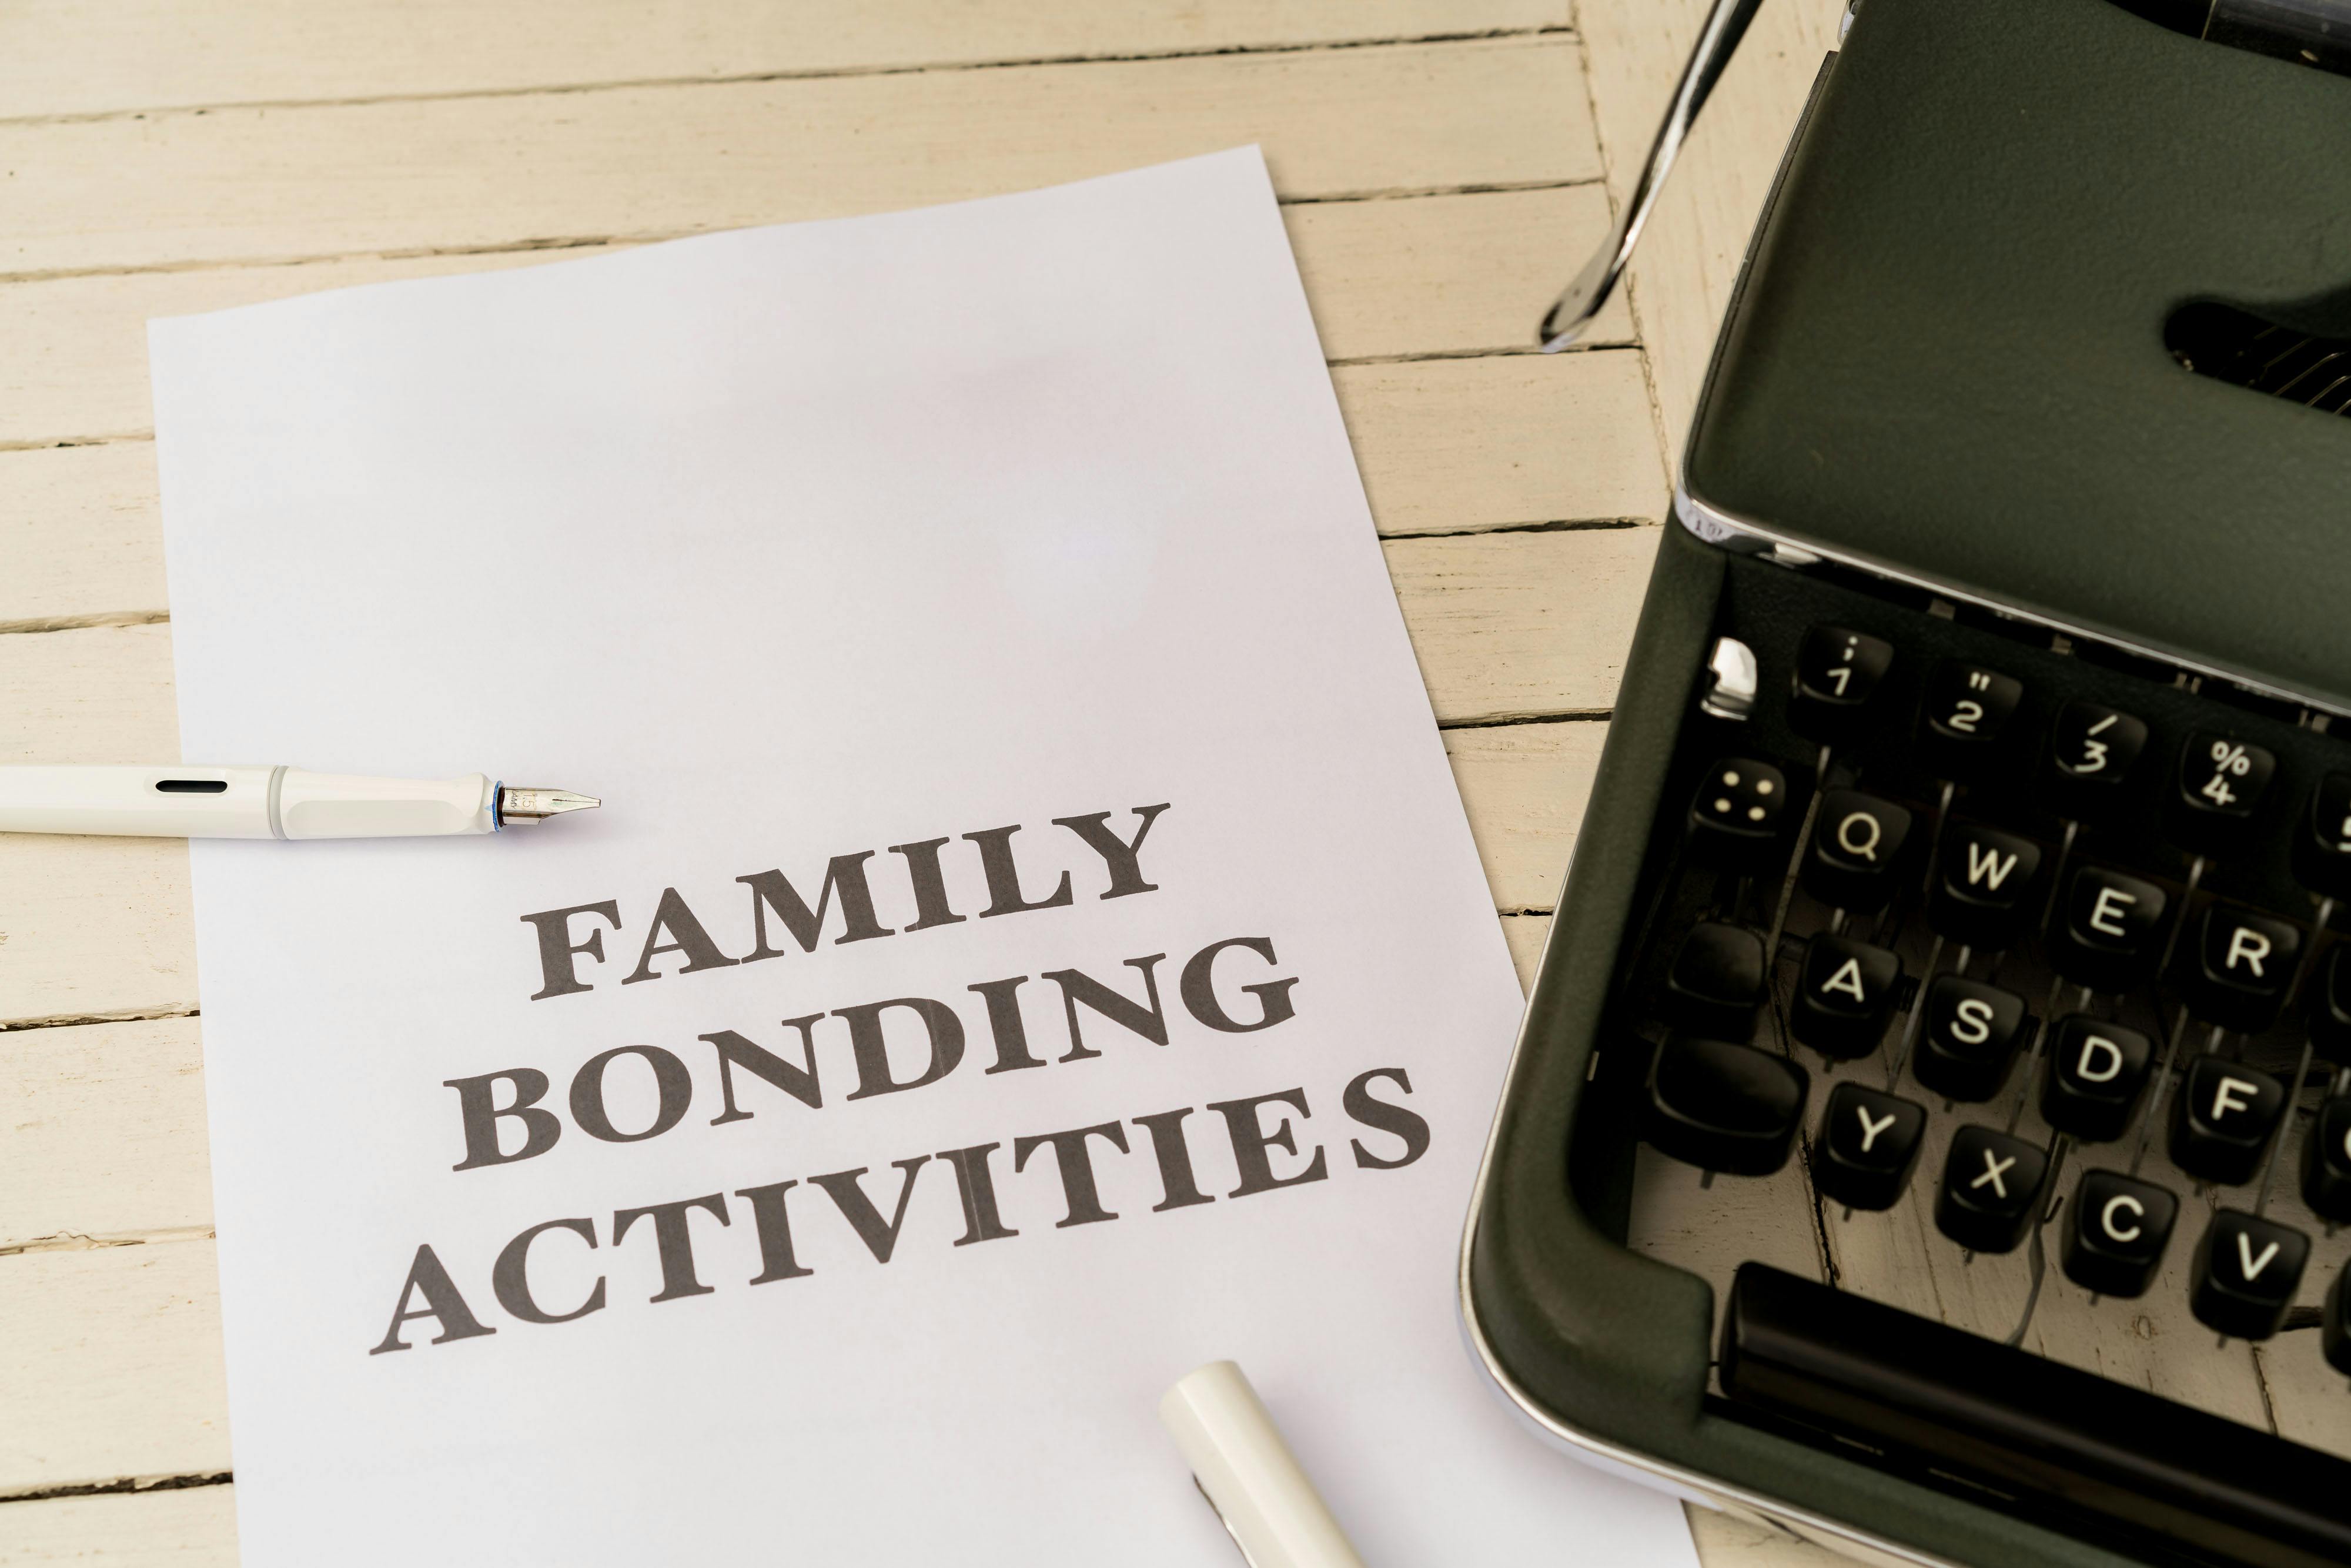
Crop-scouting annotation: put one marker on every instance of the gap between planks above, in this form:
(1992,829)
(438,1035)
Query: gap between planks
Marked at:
(631,240)
(818,73)
(492,173)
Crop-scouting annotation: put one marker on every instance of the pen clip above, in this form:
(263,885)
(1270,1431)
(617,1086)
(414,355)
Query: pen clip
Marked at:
(1574,312)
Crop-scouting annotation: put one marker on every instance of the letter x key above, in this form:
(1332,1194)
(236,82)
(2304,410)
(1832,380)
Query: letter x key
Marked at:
(1990,1190)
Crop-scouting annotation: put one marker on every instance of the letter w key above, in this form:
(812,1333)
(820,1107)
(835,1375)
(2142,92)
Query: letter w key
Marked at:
(1983,893)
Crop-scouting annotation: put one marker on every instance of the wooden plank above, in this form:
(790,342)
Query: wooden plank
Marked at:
(1445,445)
(1689,254)
(1425,276)
(63,58)
(1526,933)
(1726,1541)
(80,536)
(110,1367)
(1516,625)
(1524,787)
(104,1134)
(176,1527)
(259,185)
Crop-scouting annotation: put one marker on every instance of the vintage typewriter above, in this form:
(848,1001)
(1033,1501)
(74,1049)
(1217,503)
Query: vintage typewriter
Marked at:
(1931,1126)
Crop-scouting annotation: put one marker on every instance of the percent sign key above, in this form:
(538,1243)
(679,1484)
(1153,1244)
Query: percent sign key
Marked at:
(2222,778)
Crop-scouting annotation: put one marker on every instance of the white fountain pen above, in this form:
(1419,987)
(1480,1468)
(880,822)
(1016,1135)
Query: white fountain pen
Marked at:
(176,801)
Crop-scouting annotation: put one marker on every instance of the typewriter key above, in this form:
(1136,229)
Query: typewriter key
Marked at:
(1725,1107)
(2247,1270)
(2222,1122)
(1738,814)
(1970,1038)
(1843,996)
(1857,856)
(1868,1141)
(2104,938)
(1837,674)
(1990,1190)
(1715,983)
(2221,783)
(2097,1071)
(2238,972)
(2114,1240)
(1982,894)
(2093,751)
(1964,717)
(2326,1162)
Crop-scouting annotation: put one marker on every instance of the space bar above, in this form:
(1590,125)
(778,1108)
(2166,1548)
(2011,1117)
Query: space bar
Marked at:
(2113,1457)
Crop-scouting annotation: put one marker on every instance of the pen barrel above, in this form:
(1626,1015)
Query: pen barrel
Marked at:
(349,806)
(167,802)
(1249,1474)
(180,802)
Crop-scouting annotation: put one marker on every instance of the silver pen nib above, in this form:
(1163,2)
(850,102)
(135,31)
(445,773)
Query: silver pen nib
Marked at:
(524,804)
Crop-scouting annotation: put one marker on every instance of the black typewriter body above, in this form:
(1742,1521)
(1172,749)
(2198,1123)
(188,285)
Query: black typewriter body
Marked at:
(1931,1126)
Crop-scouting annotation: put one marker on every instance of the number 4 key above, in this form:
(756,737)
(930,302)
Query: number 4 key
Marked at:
(2222,780)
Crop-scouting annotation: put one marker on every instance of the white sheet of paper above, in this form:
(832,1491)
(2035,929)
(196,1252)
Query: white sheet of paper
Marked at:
(794,543)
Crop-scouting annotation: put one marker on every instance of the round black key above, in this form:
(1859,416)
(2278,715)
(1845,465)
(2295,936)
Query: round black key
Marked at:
(1725,1107)
(1868,1141)
(1968,1036)
(2222,1119)
(2236,972)
(2114,1237)
(2093,751)
(1843,996)
(1964,717)
(1858,852)
(2095,1073)
(2221,783)
(1991,1189)
(2247,1270)
(2334,1326)
(2326,1162)
(1739,815)
(2104,933)
(2330,1007)
(1716,982)
(2322,851)
(1984,879)
(1838,673)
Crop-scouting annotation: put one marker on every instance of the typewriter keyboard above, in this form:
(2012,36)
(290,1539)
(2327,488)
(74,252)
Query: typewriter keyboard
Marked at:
(2001,982)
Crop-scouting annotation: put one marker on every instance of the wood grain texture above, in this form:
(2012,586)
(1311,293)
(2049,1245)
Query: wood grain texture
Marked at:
(1445,275)
(1689,256)
(1517,625)
(1525,787)
(79,536)
(179,1527)
(63,57)
(1551,438)
(252,184)
(1724,1540)
(111,1367)
(102,1135)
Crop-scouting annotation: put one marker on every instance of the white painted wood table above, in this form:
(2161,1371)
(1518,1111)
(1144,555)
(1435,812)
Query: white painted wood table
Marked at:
(1445,166)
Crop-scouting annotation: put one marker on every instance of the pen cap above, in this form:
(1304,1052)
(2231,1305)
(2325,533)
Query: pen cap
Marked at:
(1250,1475)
